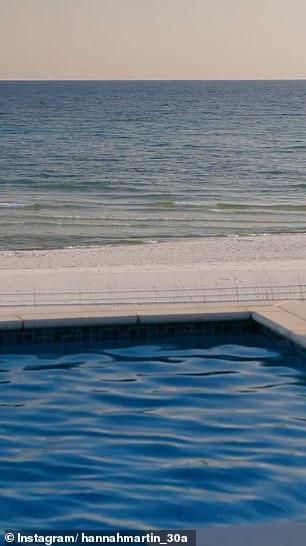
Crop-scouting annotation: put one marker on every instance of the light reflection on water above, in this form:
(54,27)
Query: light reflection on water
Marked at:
(159,435)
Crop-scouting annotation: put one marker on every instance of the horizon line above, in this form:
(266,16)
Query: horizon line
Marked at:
(147,79)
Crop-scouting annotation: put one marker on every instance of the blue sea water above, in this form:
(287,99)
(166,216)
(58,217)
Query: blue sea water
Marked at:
(181,433)
(88,163)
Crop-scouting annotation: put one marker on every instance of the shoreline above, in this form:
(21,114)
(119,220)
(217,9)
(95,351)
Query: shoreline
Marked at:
(202,270)
(270,247)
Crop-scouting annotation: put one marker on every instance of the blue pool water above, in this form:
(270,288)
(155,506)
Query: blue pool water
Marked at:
(180,434)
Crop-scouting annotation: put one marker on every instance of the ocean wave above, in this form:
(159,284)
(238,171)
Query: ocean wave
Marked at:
(212,206)
(12,205)
(220,206)
(34,206)
(211,176)
(264,207)
(298,147)
(28,206)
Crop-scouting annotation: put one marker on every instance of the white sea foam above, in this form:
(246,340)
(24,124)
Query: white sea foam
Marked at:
(12,205)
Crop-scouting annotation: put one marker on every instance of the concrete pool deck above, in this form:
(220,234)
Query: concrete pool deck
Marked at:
(285,318)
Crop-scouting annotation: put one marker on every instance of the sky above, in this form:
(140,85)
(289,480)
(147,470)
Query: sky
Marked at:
(152,39)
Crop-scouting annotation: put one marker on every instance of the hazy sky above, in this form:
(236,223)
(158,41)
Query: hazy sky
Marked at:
(152,39)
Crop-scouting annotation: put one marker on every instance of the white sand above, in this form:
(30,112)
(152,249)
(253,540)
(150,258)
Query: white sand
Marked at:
(210,269)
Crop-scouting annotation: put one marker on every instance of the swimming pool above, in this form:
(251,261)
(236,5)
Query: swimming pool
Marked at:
(181,432)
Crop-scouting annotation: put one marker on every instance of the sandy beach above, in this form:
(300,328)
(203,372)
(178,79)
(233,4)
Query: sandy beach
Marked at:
(249,268)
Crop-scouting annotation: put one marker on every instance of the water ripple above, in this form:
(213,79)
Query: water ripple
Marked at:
(156,435)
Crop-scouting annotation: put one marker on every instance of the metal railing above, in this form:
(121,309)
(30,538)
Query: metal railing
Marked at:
(151,296)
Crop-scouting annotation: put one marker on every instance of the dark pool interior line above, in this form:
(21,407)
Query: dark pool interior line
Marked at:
(161,431)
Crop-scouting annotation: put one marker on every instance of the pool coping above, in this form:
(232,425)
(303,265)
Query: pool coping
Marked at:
(286,319)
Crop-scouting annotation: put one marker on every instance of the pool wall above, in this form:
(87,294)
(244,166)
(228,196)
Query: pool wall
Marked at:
(284,322)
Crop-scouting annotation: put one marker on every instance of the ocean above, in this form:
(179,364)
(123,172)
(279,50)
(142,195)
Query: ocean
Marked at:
(88,163)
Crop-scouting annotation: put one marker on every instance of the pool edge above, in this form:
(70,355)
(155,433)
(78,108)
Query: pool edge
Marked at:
(285,319)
